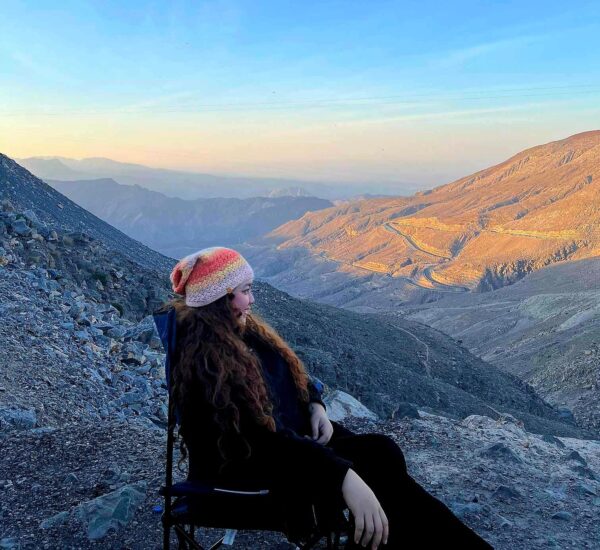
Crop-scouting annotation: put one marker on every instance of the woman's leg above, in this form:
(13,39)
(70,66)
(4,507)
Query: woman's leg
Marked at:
(417,519)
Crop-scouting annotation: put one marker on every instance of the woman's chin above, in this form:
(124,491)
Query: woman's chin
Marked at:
(242,316)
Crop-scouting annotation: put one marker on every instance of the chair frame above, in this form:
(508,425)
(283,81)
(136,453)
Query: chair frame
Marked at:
(185,530)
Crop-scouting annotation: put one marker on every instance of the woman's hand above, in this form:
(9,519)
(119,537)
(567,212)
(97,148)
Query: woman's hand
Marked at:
(322,429)
(369,516)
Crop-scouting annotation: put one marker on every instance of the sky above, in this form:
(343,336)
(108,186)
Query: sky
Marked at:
(413,93)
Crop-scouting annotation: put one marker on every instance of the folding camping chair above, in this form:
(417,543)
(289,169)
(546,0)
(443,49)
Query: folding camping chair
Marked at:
(215,504)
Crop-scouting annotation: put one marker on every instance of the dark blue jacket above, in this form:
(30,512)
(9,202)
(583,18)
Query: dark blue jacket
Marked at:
(288,411)
(312,465)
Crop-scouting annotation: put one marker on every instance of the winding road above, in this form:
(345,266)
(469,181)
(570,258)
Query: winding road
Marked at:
(427,271)
(413,244)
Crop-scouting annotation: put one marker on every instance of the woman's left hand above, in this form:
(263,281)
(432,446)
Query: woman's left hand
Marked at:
(322,429)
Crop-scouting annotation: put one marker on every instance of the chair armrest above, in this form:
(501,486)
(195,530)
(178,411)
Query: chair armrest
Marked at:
(199,488)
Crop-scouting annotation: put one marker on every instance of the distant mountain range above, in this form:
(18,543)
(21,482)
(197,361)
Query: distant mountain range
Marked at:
(177,227)
(26,192)
(190,185)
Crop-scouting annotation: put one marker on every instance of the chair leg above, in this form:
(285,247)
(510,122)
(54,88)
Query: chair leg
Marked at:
(217,544)
(182,543)
(186,540)
(166,536)
(181,537)
(336,540)
(310,543)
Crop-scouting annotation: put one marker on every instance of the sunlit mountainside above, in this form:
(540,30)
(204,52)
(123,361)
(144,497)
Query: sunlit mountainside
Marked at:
(506,261)
(483,231)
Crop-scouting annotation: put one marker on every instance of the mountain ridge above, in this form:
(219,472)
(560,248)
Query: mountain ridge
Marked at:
(26,192)
(191,185)
(480,232)
(178,227)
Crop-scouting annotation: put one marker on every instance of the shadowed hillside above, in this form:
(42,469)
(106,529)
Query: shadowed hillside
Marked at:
(178,227)
(26,192)
(545,329)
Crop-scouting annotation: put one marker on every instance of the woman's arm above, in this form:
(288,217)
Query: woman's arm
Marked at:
(317,469)
(314,466)
(315,391)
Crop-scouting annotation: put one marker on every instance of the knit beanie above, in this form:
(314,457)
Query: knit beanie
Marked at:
(209,274)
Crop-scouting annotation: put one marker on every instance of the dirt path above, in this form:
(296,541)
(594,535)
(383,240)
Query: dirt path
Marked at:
(425,361)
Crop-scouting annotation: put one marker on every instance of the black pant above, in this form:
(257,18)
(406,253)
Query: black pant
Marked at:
(416,518)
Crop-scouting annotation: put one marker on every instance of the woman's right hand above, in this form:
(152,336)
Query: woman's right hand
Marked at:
(368,513)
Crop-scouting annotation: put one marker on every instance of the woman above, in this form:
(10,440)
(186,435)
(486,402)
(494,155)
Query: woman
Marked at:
(248,411)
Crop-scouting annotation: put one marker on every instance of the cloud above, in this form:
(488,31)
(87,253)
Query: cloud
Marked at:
(160,100)
(42,70)
(460,113)
(458,57)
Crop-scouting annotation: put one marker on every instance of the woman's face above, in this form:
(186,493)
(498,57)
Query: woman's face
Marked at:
(242,300)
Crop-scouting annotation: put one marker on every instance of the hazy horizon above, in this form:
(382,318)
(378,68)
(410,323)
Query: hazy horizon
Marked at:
(418,95)
(419,181)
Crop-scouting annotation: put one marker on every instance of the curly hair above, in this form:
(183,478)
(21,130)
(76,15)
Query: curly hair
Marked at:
(211,356)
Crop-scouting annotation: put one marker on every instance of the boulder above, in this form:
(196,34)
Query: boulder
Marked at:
(17,419)
(500,451)
(406,410)
(341,405)
(21,228)
(112,510)
(143,331)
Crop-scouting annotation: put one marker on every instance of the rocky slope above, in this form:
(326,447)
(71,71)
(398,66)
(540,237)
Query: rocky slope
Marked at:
(543,329)
(72,260)
(26,192)
(82,396)
(91,485)
(177,227)
(484,231)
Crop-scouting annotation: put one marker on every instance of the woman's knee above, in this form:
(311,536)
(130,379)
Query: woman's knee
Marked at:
(385,448)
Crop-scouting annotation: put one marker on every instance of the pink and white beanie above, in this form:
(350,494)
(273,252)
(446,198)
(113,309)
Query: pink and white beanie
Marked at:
(209,274)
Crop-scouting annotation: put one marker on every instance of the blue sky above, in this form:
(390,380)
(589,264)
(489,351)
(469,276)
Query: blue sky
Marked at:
(418,92)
